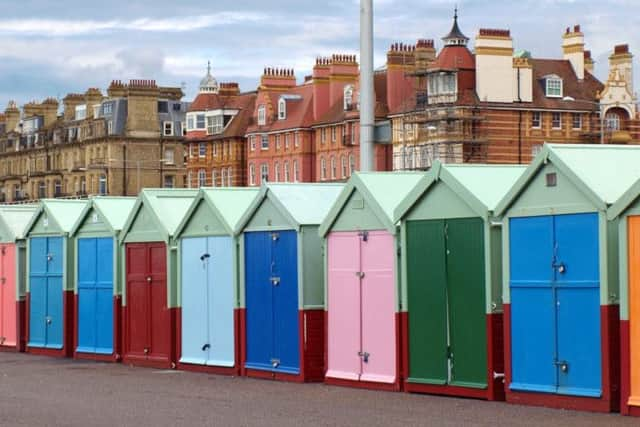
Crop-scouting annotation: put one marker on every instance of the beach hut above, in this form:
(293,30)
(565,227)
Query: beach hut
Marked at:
(149,299)
(209,296)
(363,293)
(626,211)
(50,255)
(282,293)
(13,258)
(98,278)
(452,282)
(560,285)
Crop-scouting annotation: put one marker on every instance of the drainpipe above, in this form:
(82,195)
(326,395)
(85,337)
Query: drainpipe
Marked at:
(367,95)
(519,123)
(124,168)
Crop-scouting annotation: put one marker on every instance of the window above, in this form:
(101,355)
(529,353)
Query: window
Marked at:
(83,185)
(333,133)
(334,168)
(296,175)
(202,178)
(184,128)
(215,149)
(223,177)
(252,142)
(191,122)
(202,149)
(169,156)
(282,109)
(323,135)
(536,120)
(102,185)
(200,121)
(286,171)
(352,164)
(262,115)
(252,174)
(189,179)
(276,172)
(535,149)
(296,140)
(214,177)
(229,176)
(554,87)
(177,106)
(577,121)
(107,108)
(109,127)
(96,111)
(42,190)
(264,172)
(57,189)
(215,124)
(169,181)
(286,141)
(343,166)
(81,112)
(556,120)
(612,121)
(191,150)
(323,169)
(264,144)
(163,107)
(348,97)
(168,129)
(277,142)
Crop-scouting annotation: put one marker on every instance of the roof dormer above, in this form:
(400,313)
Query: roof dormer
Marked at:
(553,86)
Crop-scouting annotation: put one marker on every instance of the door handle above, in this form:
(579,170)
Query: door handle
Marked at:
(206,347)
(146,350)
(364,355)
(275,281)
(275,362)
(561,267)
(148,279)
(49,257)
(48,320)
(360,274)
(205,256)
(563,365)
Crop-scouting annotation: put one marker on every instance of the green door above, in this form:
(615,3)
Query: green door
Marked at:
(426,277)
(466,298)
(446,302)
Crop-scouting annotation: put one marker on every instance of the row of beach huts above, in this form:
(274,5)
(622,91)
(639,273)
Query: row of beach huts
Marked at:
(485,281)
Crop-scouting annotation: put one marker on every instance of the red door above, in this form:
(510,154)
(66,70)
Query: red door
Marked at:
(8,330)
(147,322)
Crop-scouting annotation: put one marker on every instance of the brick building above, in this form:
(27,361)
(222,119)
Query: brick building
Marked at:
(217,122)
(498,105)
(114,144)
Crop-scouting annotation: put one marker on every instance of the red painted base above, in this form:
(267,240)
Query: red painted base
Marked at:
(215,370)
(311,339)
(8,349)
(67,328)
(116,355)
(402,322)
(610,347)
(21,322)
(157,361)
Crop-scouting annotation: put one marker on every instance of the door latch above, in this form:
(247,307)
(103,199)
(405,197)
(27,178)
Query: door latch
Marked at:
(275,281)
(275,236)
(206,347)
(3,280)
(205,256)
(48,320)
(360,274)
(148,279)
(275,363)
(49,257)
(364,235)
(561,268)
(364,355)
(563,365)
(146,350)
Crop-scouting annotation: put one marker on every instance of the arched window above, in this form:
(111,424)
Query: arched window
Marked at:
(334,168)
(223,177)
(323,169)
(102,184)
(343,166)
(202,178)
(352,164)
(252,174)
(348,97)
(229,176)
(282,109)
(276,172)
(262,115)
(213,177)
(264,173)
(286,171)
(296,172)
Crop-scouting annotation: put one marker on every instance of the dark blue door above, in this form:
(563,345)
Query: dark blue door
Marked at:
(272,301)
(95,295)
(555,304)
(46,318)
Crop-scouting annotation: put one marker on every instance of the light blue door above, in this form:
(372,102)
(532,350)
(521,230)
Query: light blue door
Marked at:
(95,295)
(55,303)
(37,291)
(221,302)
(194,301)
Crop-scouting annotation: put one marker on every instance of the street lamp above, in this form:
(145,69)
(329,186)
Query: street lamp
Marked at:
(572,99)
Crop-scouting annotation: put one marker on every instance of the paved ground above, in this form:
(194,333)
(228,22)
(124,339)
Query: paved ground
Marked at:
(38,391)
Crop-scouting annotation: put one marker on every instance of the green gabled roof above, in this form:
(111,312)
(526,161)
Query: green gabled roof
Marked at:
(15,218)
(628,199)
(167,205)
(115,210)
(482,186)
(228,203)
(64,212)
(603,172)
(384,192)
(302,204)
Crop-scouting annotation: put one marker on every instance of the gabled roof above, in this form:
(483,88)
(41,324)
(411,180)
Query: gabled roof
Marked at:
(115,211)
(482,186)
(167,206)
(229,204)
(299,112)
(603,172)
(244,103)
(302,204)
(384,192)
(15,218)
(65,213)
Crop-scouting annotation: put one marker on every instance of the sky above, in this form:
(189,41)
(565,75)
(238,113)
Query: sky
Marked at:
(51,48)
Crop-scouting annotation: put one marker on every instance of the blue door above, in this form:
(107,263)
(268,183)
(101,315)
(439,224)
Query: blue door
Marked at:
(95,295)
(272,301)
(555,304)
(46,318)
(208,333)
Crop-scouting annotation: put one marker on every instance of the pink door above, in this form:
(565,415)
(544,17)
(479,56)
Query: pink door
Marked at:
(343,301)
(361,307)
(8,295)
(378,308)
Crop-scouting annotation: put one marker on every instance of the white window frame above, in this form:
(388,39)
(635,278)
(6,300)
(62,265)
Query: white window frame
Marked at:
(213,177)
(535,114)
(296,139)
(262,115)
(559,115)
(286,171)
(323,169)
(252,174)
(169,156)
(286,141)
(296,171)
(202,150)
(553,87)
(202,178)
(252,142)
(277,141)
(229,176)
(223,176)
(577,120)
(282,109)
(343,166)
(276,172)
(334,133)
(264,138)
(215,124)
(167,128)
(348,97)
(334,168)
(264,172)
(199,125)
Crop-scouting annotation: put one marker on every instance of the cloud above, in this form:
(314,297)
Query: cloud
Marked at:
(66,28)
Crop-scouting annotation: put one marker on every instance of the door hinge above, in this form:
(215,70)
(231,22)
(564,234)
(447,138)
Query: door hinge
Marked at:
(364,356)
(364,235)
(360,274)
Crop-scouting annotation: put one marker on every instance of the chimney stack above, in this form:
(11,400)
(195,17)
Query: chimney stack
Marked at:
(573,50)
(494,65)
(621,61)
